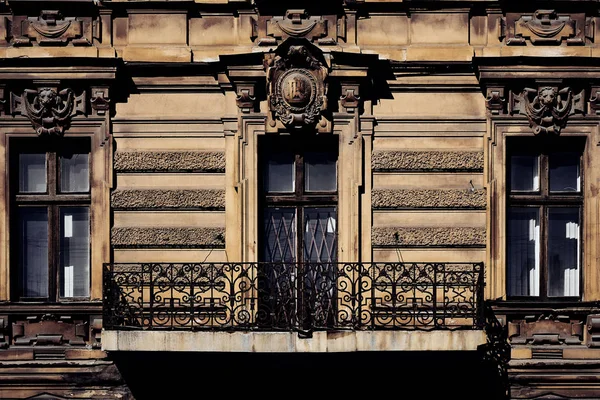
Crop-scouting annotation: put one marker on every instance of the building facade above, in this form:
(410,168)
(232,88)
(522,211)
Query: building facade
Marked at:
(332,198)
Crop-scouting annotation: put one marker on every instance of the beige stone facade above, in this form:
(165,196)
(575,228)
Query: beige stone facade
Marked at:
(184,106)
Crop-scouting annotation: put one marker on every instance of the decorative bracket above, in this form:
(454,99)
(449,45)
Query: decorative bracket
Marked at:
(49,110)
(245,97)
(99,100)
(350,99)
(495,101)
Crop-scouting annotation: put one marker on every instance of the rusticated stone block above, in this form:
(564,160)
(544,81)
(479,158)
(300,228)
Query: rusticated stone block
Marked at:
(429,237)
(139,161)
(168,237)
(180,199)
(427,161)
(429,198)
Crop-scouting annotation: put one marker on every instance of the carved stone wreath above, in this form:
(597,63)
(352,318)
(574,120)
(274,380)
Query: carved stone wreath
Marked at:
(296,89)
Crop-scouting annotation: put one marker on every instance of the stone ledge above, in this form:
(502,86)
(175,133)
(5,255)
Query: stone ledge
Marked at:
(168,237)
(429,237)
(172,161)
(428,198)
(427,161)
(168,199)
(289,342)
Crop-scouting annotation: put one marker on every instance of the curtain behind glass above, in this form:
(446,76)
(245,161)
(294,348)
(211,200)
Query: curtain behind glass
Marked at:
(75,252)
(563,251)
(33,251)
(523,251)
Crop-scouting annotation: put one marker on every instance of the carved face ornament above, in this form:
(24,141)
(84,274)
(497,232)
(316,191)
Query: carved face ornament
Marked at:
(549,109)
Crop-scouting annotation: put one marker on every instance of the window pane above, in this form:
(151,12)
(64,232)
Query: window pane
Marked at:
(74,251)
(280,172)
(320,225)
(75,173)
(524,173)
(523,251)
(33,251)
(280,235)
(32,173)
(563,251)
(320,171)
(564,172)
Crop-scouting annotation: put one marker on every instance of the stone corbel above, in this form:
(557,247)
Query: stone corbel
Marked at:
(350,97)
(96,331)
(245,97)
(4,334)
(593,330)
(99,100)
(595,100)
(495,102)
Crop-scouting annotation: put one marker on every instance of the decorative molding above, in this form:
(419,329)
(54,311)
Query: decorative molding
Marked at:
(546,330)
(172,161)
(296,88)
(427,161)
(429,237)
(298,24)
(168,237)
(593,330)
(548,107)
(429,198)
(545,27)
(50,330)
(51,28)
(49,110)
(96,331)
(157,199)
(495,102)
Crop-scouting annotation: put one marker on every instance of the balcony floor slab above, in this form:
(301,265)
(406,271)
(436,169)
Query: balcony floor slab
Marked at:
(291,342)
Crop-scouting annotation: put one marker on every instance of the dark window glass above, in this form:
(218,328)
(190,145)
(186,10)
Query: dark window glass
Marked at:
(75,251)
(564,249)
(564,172)
(32,173)
(75,173)
(320,172)
(33,253)
(524,173)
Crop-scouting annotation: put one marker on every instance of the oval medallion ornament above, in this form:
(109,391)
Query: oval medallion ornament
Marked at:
(296,89)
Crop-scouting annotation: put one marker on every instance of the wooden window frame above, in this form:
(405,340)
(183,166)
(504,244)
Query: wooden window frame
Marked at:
(543,200)
(300,198)
(53,199)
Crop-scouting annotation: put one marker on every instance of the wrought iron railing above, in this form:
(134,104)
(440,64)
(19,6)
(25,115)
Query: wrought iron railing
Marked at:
(300,297)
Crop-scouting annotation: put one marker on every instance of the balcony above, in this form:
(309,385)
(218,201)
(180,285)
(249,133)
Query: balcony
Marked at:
(303,299)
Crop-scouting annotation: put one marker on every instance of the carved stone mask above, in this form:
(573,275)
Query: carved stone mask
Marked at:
(547,97)
(47,98)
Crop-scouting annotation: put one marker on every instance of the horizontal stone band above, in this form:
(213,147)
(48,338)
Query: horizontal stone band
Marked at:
(139,161)
(429,237)
(168,237)
(428,198)
(158,199)
(427,161)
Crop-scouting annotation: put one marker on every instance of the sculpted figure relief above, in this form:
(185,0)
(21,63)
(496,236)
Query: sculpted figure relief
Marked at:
(548,110)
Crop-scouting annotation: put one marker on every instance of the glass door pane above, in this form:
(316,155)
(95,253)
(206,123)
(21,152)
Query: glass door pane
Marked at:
(75,252)
(33,251)
(320,225)
(564,249)
(279,234)
(523,251)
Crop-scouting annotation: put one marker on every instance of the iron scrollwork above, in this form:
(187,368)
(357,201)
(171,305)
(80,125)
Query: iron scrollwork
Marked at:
(291,296)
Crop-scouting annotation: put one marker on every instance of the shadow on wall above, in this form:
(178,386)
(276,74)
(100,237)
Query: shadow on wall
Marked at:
(420,375)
